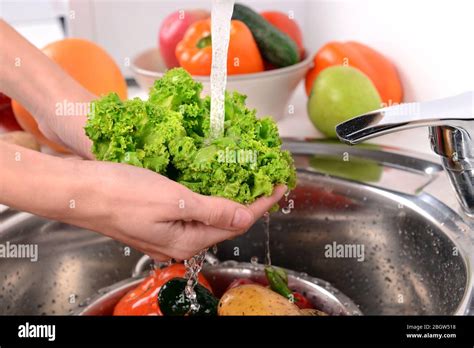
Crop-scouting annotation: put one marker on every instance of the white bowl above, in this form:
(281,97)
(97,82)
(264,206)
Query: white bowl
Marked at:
(267,91)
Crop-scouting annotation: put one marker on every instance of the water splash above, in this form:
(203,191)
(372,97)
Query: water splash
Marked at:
(193,267)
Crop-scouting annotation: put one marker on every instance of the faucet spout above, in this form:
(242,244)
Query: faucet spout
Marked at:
(451,122)
(452,111)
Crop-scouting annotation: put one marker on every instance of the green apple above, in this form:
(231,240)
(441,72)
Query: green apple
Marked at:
(340,93)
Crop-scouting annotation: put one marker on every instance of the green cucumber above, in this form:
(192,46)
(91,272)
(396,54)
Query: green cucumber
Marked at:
(173,301)
(275,46)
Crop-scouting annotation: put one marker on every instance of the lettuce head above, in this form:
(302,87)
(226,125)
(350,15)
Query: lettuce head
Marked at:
(170,134)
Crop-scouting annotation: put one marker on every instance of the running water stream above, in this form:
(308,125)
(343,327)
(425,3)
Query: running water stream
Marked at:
(221,15)
(266,231)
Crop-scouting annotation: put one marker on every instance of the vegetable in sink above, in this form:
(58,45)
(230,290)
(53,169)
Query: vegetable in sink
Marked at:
(173,301)
(142,299)
(244,297)
(253,299)
(163,293)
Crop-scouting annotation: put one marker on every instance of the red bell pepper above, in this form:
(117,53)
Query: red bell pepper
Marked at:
(172,31)
(143,300)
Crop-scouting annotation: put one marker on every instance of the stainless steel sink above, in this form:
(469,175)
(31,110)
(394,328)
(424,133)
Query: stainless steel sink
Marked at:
(417,245)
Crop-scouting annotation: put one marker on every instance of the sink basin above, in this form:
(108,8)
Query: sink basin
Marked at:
(392,239)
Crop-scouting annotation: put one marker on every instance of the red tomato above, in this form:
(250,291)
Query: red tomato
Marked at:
(287,25)
(301,301)
(8,122)
(143,299)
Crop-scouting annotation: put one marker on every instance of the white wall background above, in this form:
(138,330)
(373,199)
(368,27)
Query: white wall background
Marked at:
(431,41)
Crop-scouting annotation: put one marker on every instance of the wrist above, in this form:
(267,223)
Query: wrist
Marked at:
(67,118)
(27,182)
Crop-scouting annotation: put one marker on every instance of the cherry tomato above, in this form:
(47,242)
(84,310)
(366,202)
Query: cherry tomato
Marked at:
(301,301)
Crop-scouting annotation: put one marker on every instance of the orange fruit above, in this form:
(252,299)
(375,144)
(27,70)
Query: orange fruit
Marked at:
(88,64)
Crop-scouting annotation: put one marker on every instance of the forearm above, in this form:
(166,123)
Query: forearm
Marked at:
(31,78)
(121,201)
(46,185)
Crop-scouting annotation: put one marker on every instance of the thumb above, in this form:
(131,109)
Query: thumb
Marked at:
(220,212)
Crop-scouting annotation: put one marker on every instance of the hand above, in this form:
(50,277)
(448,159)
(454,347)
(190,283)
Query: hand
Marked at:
(157,215)
(39,85)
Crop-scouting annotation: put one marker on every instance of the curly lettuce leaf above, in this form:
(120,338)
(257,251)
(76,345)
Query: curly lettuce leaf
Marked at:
(169,134)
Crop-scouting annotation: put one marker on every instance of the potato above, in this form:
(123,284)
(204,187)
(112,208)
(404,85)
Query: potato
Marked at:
(251,299)
(312,312)
(22,139)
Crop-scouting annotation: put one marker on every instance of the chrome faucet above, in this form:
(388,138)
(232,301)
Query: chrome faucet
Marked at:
(451,124)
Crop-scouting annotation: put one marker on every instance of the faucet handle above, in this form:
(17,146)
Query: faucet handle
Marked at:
(452,111)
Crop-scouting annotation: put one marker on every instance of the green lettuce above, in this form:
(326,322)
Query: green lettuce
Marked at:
(169,134)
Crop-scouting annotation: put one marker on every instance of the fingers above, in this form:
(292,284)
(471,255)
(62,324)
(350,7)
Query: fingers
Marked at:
(214,220)
(264,204)
(158,257)
(196,236)
(220,212)
(226,214)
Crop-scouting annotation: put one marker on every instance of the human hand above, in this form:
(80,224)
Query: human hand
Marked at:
(40,85)
(156,215)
